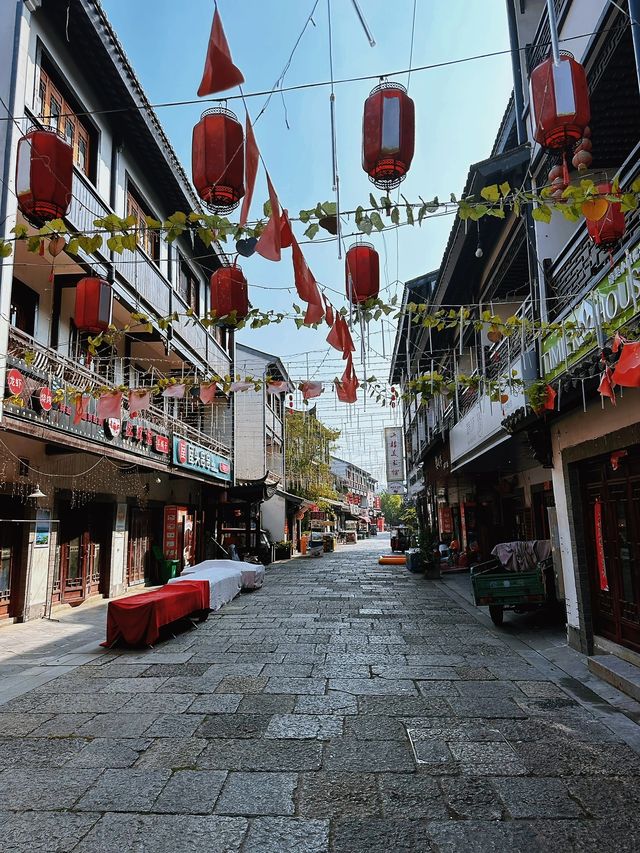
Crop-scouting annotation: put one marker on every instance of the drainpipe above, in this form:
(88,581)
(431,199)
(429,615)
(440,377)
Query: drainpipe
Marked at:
(516,69)
(6,268)
(634,15)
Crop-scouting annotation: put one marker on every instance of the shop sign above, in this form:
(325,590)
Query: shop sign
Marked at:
(615,300)
(112,427)
(15,382)
(394,454)
(45,399)
(445,520)
(186,454)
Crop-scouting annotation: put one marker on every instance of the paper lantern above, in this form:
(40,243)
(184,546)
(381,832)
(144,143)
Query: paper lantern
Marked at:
(388,135)
(94,300)
(229,293)
(44,174)
(217,160)
(559,98)
(362,272)
(609,228)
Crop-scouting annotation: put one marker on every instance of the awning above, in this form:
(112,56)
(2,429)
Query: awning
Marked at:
(253,491)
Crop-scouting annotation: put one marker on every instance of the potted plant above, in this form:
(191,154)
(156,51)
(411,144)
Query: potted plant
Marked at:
(283,550)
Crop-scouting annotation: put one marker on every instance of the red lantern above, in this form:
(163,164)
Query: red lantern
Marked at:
(217,160)
(388,132)
(610,227)
(362,268)
(229,293)
(93,305)
(559,98)
(44,174)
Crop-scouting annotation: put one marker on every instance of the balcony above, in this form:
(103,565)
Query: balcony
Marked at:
(143,283)
(45,367)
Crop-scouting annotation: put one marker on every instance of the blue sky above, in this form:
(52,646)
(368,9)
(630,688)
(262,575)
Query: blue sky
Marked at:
(458,110)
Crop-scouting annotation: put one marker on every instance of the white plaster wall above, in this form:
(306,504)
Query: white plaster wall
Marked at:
(38,571)
(273,517)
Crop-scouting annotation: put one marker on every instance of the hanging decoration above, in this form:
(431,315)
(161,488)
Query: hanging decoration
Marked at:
(229,294)
(139,401)
(362,273)
(388,135)
(627,369)
(310,389)
(347,386)
(219,71)
(559,98)
(605,218)
(175,391)
(340,336)
(252,157)
(44,176)
(270,242)
(306,286)
(606,386)
(207,392)
(217,160)
(109,405)
(93,305)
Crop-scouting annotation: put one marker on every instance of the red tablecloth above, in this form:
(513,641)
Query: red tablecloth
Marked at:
(137,619)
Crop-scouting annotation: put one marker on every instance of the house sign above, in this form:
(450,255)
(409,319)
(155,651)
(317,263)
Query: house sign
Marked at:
(615,300)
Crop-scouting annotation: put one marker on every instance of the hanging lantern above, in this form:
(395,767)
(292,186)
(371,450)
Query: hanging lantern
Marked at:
(362,271)
(559,98)
(388,132)
(608,228)
(44,174)
(217,160)
(229,293)
(94,300)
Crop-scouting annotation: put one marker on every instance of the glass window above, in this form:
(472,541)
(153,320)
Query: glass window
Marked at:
(69,131)
(82,155)
(54,112)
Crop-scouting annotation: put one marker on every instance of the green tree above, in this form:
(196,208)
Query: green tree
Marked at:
(392,506)
(308,447)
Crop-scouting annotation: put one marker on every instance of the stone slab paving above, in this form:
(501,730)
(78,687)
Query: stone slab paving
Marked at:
(343,708)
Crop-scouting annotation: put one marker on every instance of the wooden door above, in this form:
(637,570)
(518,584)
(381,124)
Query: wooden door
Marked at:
(612,525)
(139,546)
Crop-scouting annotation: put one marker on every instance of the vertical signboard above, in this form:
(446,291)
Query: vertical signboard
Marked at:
(602,565)
(394,453)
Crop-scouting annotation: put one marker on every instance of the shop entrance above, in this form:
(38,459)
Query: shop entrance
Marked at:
(612,532)
(84,555)
(11,537)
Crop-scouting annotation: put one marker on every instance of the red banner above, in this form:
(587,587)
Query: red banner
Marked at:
(602,567)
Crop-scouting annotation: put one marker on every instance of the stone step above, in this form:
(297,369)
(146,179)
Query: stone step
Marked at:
(619,673)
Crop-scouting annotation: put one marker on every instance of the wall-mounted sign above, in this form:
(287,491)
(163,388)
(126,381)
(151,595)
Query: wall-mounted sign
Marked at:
(15,382)
(112,427)
(602,563)
(45,399)
(186,454)
(394,454)
(615,300)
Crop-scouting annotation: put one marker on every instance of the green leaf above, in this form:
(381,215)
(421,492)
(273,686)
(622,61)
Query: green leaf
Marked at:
(330,208)
(151,222)
(5,249)
(395,216)
(115,243)
(629,201)
(498,212)
(542,213)
(266,208)
(312,230)
(377,222)
(304,215)
(505,188)
(72,246)
(491,193)
(372,200)
(422,213)
(365,225)
(205,235)
(20,230)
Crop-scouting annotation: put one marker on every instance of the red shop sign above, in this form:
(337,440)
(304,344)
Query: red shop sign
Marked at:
(45,398)
(602,566)
(161,443)
(15,382)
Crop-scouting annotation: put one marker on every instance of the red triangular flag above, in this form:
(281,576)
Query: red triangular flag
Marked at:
(139,400)
(252,157)
(550,400)
(286,234)
(627,369)
(270,241)
(208,392)
(347,387)
(175,391)
(110,405)
(328,311)
(310,389)
(605,387)
(219,71)
(81,402)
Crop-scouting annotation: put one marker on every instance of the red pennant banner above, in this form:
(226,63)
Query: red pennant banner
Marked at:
(81,403)
(627,369)
(606,388)
(252,157)
(110,405)
(208,392)
(219,71)
(270,243)
(138,402)
(310,389)
(175,392)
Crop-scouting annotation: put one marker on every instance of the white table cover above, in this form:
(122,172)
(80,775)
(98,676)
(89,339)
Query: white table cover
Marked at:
(252,573)
(224,584)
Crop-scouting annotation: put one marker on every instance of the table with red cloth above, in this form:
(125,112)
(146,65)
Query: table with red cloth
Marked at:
(138,619)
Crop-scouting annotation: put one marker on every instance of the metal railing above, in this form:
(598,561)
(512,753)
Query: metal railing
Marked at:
(41,362)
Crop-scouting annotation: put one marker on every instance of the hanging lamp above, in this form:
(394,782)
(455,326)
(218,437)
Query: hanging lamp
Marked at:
(217,160)
(388,135)
(44,175)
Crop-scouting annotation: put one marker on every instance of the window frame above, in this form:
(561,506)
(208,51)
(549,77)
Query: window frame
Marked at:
(47,93)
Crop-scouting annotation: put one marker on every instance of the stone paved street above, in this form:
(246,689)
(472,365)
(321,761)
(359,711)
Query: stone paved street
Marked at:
(345,707)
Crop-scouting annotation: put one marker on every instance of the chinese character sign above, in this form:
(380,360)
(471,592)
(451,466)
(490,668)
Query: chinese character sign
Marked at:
(394,452)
